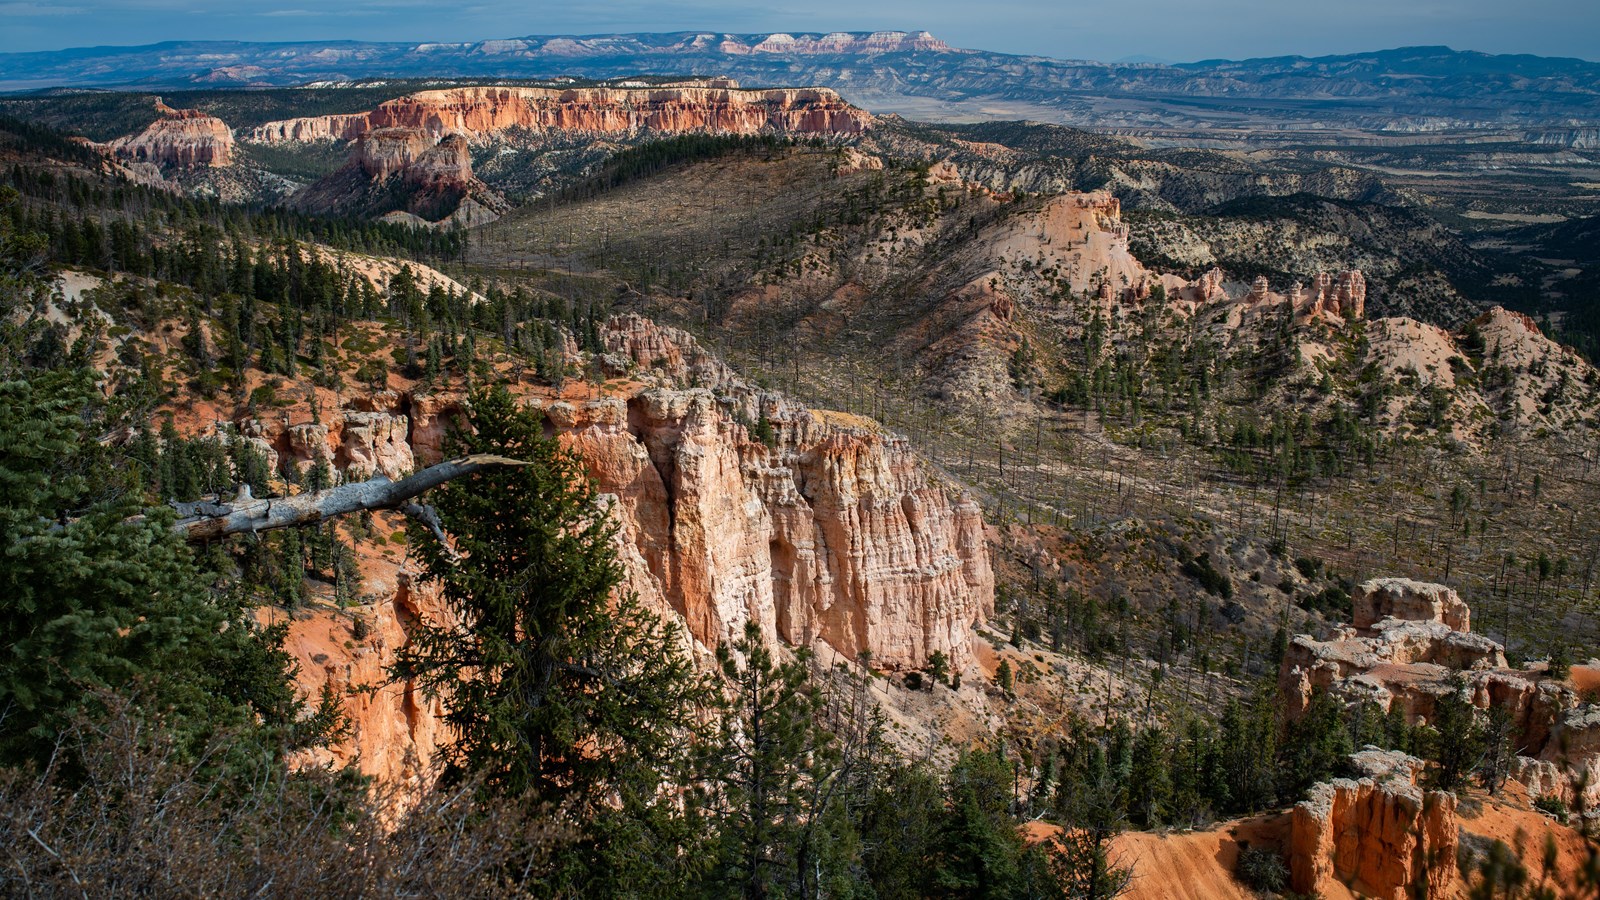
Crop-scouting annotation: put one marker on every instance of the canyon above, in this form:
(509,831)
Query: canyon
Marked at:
(1043,442)
(832,535)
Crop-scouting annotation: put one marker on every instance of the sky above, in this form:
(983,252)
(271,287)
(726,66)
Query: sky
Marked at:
(1170,30)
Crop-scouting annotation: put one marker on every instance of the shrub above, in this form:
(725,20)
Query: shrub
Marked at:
(1555,807)
(1201,570)
(1262,870)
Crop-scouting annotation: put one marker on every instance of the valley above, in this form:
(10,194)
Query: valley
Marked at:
(1178,496)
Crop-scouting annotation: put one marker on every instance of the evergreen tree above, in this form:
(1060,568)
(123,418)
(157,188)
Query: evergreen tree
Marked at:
(1092,811)
(1315,746)
(1456,739)
(981,851)
(99,599)
(774,751)
(557,683)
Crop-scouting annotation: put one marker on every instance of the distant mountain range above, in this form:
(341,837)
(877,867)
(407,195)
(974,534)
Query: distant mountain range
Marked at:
(1407,90)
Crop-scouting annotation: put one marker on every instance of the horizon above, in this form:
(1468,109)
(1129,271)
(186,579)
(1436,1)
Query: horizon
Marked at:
(1231,29)
(1129,59)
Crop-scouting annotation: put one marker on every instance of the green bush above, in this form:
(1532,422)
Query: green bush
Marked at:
(1262,870)
(1555,807)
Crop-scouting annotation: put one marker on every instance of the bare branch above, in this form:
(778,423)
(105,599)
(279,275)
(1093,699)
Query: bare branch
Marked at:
(308,509)
(428,517)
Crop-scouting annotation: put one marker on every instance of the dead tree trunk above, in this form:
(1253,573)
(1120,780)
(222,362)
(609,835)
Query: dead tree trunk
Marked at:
(208,521)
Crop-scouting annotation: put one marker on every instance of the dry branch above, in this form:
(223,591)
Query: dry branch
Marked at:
(378,492)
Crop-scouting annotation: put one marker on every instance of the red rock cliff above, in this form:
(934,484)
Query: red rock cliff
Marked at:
(481,113)
(833,535)
(1380,836)
(182,138)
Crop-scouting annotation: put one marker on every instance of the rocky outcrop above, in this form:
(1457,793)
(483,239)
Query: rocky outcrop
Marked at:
(1415,601)
(830,537)
(354,442)
(377,442)
(830,534)
(445,165)
(481,114)
(405,171)
(1079,241)
(1378,836)
(395,729)
(382,152)
(1344,296)
(181,138)
(310,129)
(1410,648)
(1537,373)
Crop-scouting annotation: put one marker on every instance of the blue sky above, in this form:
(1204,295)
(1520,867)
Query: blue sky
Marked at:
(1178,30)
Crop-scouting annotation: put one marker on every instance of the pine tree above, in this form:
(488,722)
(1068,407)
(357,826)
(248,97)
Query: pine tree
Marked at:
(1092,807)
(774,753)
(1149,780)
(99,599)
(1456,740)
(557,683)
(981,851)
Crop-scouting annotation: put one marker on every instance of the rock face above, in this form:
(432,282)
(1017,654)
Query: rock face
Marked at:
(382,152)
(1381,836)
(483,113)
(404,171)
(181,138)
(830,535)
(426,138)
(1345,296)
(1410,647)
(395,730)
(1402,598)
(445,165)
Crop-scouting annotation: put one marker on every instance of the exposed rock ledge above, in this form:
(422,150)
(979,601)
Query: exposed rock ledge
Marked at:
(1380,836)
(482,113)
(181,138)
(1410,647)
